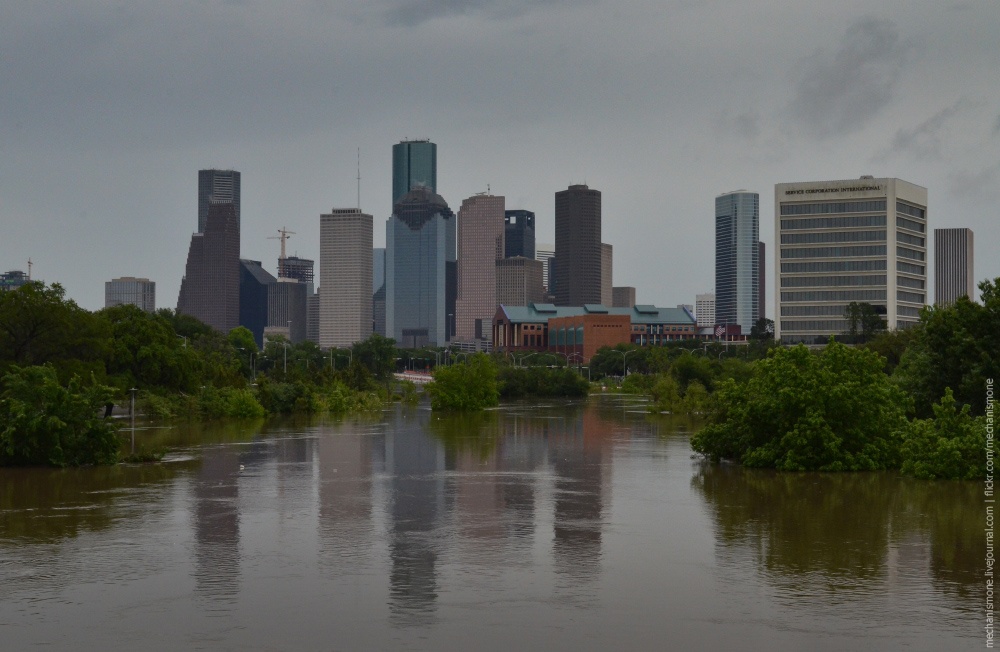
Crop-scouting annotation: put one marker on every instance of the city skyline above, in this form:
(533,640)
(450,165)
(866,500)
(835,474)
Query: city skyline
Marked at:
(901,90)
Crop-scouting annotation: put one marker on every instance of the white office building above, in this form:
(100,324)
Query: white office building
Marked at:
(860,240)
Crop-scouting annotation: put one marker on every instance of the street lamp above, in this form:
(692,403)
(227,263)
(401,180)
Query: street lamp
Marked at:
(624,355)
(132,414)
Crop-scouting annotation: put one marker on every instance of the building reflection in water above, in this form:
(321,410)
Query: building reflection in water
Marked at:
(347,462)
(580,453)
(217,524)
(415,463)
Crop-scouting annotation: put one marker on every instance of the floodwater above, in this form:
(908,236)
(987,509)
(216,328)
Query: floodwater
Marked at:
(566,526)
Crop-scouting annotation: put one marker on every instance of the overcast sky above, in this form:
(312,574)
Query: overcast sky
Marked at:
(108,109)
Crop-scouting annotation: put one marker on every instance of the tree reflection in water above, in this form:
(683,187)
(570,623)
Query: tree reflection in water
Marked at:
(824,532)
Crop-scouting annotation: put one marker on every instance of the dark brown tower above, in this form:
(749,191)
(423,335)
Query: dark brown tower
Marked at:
(578,246)
(210,289)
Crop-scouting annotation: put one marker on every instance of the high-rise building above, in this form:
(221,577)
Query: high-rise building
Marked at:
(414,164)
(860,240)
(737,280)
(345,240)
(301,269)
(378,268)
(481,230)
(607,281)
(217,187)
(761,284)
(704,309)
(953,273)
(287,309)
(519,282)
(420,269)
(129,290)
(312,317)
(210,289)
(519,233)
(577,277)
(546,253)
(623,297)
(254,284)
(13,279)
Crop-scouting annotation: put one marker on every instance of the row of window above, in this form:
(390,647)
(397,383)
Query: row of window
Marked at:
(834,266)
(814,311)
(909,269)
(907,311)
(835,236)
(912,254)
(835,325)
(833,222)
(834,207)
(910,239)
(904,223)
(834,252)
(912,297)
(827,281)
(908,209)
(835,295)
(907,282)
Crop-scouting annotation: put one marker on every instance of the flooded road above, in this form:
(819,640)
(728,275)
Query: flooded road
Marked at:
(566,526)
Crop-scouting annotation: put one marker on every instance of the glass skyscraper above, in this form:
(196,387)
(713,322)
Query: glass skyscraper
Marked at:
(414,164)
(420,266)
(737,258)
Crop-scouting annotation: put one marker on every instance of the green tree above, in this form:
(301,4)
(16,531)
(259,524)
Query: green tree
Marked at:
(471,385)
(38,325)
(377,354)
(45,423)
(863,321)
(145,352)
(951,445)
(954,347)
(832,411)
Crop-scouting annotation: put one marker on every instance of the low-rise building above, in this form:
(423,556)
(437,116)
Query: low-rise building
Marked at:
(582,330)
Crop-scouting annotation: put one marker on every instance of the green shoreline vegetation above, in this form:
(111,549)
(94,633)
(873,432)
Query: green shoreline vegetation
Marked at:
(909,400)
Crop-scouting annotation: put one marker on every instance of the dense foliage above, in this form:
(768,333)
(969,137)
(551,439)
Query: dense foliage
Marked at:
(955,347)
(520,382)
(832,411)
(469,385)
(43,422)
(951,445)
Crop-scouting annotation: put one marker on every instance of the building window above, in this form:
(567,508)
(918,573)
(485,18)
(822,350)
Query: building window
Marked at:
(834,236)
(834,207)
(834,252)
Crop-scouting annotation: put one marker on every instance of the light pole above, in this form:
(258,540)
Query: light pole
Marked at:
(132,414)
(624,355)
(286,355)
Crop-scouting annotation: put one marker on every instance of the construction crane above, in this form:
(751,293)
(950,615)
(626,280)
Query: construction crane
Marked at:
(283,235)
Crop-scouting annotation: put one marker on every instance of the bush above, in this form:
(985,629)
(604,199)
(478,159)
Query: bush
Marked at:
(44,423)
(835,411)
(951,445)
(520,382)
(469,386)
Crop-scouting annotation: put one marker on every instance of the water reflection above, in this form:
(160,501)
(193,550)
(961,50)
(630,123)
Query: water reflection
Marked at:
(563,526)
(415,463)
(842,534)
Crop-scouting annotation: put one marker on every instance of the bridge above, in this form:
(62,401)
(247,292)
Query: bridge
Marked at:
(418,377)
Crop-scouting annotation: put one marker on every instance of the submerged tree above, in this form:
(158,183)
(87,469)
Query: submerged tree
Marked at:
(832,411)
(45,423)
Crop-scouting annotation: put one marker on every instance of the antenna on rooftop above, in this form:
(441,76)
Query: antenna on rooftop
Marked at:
(29,269)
